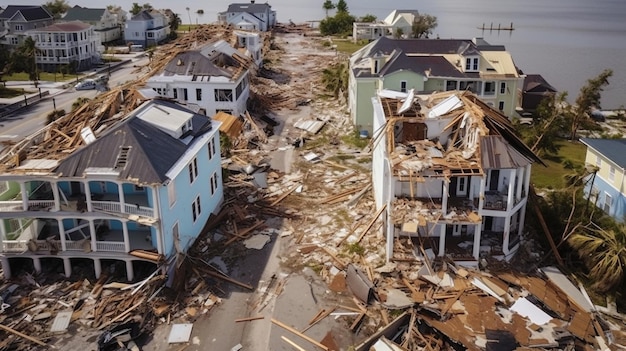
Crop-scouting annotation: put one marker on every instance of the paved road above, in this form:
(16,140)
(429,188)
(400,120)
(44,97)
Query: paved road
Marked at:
(32,118)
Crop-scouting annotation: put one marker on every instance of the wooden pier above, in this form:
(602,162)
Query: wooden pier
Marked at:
(499,27)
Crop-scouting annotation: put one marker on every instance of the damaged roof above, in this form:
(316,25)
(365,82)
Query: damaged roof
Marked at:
(193,63)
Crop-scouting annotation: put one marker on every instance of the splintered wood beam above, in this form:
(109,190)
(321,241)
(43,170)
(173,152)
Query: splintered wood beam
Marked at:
(22,335)
(305,337)
(371,223)
(61,133)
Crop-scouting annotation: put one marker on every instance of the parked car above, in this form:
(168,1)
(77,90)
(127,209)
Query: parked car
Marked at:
(87,84)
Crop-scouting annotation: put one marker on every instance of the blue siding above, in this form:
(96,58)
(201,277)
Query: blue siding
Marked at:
(618,200)
(186,193)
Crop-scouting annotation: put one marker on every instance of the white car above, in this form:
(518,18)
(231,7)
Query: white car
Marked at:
(87,84)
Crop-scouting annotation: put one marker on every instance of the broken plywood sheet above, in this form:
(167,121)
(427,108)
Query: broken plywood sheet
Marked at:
(562,282)
(180,333)
(257,241)
(396,299)
(527,309)
(311,126)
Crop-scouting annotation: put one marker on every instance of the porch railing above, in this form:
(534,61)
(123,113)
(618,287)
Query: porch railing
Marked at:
(43,245)
(109,206)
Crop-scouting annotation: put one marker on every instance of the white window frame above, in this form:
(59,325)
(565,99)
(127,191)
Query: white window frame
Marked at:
(196,209)
(213,183)
(502,88)
(598,161)
(403,86)
(171,193)
(461,186)
(611,174)
(608,202)
(492,92)
(176,231)
(472,64)
(193,170)
(211,148)
(501,105)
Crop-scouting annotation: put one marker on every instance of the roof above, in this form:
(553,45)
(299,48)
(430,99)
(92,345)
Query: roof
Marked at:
(613,149)
(231,125)
(143,15)
(149,152)
(433,66)
(536,83)
(83,14)
(73,26)
(249,7)
(496,153)
(193,63)
(30,12)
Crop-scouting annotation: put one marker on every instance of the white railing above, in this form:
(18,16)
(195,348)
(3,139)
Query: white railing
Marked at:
(34,205)
(11,206)
(110,246)
(109,206)
(78,245)
(14,246)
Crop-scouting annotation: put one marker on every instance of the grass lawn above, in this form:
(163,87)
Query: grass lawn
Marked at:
(43,76)
(7,93)
(552,177)
(347,46)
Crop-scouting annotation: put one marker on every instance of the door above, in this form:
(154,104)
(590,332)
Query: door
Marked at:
(461,186)
(76,188)
(494,177)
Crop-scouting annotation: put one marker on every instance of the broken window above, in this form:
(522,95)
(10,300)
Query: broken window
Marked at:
(473,86)
(223,95)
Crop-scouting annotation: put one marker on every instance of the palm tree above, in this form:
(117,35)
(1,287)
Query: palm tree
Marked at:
(604,254)
(328,5)
(335,79)
(175,22)
(30,50)
(188,14)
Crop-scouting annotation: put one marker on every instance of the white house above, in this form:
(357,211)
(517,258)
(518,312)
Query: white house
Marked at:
(17,20)
(252,44)
(66,43)
(147,28)
(450,174)
(399,23)
(140,191)
(107,25)
(249,16)
(213,78)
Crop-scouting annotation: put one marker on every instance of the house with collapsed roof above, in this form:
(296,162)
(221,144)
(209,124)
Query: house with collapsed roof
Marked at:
(16,20)
(141,191)
(431,65)
(399,23)
(450,174)
(605,187)
(212,78)
(147,28)
(249,16)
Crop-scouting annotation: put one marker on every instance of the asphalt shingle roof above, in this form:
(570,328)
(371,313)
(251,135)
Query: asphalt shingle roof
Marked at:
(30,12)
(78,13)
(248,7)
(613,149)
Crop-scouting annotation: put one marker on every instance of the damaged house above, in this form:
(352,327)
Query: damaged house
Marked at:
(141,190)
(452,174)
(211,79)
(432,65)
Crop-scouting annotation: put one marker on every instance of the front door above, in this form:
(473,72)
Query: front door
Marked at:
(494,177)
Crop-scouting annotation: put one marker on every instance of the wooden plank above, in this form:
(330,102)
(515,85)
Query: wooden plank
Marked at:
(249,319)
(305,337)
(340,264)
(357,321)
(292,343)
(371,223)
(320,317)
(283,196)
(22,335)
(228,279)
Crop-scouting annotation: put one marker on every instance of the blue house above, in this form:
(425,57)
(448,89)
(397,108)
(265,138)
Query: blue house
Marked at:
(605,186)
(141,191)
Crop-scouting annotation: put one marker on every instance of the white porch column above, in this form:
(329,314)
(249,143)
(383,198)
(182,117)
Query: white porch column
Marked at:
(481,196)
(92,233)
(67,266)
(477,234)
(126,238)
(527,179)
(159,235)
(442,240)
(444,197)
(97,267)
(155,202)
(62,234)
(120,190)
(505,235)
(24,196)
(130,273)
(55,195)
(520,220)
(37,264)
(3,231)
(88,196)
(520,182)
(511,190)
(6,268)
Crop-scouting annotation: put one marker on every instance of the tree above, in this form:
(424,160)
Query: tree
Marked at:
(342,6)
(423,26)
(398,33)
(604,253)
(588,99)
(547,125)
(328,5)
(29,51)
(335,79)
(79,102)
(138,8)
(175,21)
(341,23)
(369,18)
(57,7)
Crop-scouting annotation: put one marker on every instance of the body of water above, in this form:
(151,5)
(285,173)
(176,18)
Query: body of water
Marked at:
(566,41)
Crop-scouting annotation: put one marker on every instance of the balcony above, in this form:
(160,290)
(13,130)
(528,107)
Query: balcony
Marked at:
(495,201)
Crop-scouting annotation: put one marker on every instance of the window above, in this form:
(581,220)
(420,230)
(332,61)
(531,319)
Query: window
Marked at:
(403,86)
(213,184)
(223,95)
(185,96)
(195,208)
(598,161)
(171,193)
(175,93)
(451,85)
(139,189)
(501,105)
(490,88)
(502,87)
(211,149)
(14,41)
(175,231)
(593,196)
(612,174)
(193,170)
(473,86)
(19,27)
(607,203)
(198,94)
(375,66)
(471,64)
